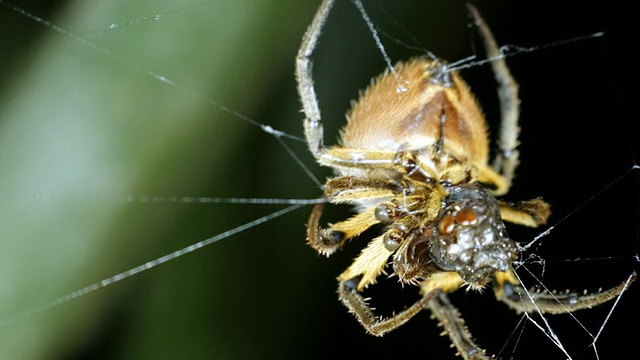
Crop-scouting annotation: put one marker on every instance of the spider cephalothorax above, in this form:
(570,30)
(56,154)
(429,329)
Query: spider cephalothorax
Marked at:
(414,156)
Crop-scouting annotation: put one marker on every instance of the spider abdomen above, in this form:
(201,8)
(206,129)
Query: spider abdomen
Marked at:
(416,107)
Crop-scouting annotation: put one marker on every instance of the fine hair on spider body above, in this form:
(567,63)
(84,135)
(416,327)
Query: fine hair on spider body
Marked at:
(415,158)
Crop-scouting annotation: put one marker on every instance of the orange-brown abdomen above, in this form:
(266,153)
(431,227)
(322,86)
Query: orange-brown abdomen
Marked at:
(437,104)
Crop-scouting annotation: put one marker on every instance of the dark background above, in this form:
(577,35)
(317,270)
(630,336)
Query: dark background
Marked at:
(80,128)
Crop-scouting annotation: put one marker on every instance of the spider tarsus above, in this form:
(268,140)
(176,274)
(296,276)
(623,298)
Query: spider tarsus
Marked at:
(553,302)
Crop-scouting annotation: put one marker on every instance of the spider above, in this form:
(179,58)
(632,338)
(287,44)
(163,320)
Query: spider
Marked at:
(413,156)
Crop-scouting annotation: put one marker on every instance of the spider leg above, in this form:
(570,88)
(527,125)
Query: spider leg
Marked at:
(369,264)
(522,300)
(312,123)
(450,320)
(345,159)
(376,325)
(532,213)
(324,241)
(506,160)
(347,189)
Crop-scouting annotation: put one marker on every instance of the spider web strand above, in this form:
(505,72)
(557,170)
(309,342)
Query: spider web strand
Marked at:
(144,267)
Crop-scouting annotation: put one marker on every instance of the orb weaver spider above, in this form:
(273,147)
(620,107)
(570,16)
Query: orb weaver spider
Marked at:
(414,156)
